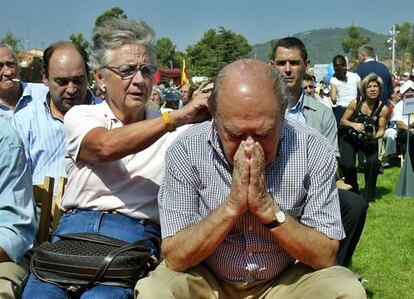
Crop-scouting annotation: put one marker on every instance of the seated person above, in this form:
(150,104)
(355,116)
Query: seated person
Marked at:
(390,135)
(17,211)
(172,98)
(155,102)
(248,205)
(115,154)
(65,72)
(405,122)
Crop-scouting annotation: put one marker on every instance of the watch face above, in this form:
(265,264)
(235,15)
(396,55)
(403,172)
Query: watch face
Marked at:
(281,217)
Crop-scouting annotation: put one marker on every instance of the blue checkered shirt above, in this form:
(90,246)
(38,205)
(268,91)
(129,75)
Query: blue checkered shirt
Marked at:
(301,179)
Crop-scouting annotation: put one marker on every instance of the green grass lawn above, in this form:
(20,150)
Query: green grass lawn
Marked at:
(385,253)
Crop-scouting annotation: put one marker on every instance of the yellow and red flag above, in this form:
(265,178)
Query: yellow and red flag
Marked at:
(184,74)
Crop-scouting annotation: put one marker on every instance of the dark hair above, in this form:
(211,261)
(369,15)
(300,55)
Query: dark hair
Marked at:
(307,77)
(339,65)
(47,54)
(289,43)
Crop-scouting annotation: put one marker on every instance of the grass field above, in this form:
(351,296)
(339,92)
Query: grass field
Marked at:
(385,253)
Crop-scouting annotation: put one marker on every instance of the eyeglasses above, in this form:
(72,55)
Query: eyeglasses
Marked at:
(126,71)
(309,86)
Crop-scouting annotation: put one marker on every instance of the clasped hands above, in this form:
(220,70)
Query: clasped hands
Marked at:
(248,191)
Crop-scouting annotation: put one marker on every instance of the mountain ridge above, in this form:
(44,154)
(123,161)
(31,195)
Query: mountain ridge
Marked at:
(323,44)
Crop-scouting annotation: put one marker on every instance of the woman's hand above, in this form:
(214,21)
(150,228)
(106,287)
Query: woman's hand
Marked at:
(358,127)
(196,110)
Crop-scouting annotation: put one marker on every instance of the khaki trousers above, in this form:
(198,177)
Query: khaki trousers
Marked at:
(11,279)
(299,281)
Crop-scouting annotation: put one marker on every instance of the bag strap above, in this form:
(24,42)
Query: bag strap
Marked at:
(141,245)
(377,111)
(94,238)
(357,109)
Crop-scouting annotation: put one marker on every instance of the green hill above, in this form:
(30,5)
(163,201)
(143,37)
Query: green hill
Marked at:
(324,44)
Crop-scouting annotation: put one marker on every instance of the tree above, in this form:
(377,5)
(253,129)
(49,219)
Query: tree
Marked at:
(115,12)
(166,54)
(404,39)
(215,50)
(79,40)
(273,43)
(352,44)
(14,42)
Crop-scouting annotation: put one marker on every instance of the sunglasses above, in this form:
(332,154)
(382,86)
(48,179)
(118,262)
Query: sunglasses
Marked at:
(128,71)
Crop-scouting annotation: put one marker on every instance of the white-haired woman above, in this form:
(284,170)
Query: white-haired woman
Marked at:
(115,158)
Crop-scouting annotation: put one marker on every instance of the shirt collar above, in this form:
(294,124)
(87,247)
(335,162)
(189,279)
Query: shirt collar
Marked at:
(92,100)
(299,105)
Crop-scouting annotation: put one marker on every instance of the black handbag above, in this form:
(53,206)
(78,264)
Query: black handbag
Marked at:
(78,261)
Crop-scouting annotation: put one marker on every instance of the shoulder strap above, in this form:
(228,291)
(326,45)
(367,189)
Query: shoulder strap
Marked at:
(378,110)
(357,109)
(141,245)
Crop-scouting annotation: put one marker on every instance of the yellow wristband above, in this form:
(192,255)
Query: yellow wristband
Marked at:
(167,121)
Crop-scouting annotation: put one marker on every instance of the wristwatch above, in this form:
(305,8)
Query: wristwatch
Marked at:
(280,219)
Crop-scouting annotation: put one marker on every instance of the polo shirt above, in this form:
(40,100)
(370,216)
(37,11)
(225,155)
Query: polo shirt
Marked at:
(128,185)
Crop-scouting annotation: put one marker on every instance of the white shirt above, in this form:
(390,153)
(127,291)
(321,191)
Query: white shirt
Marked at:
(128,185)
(397,113)
(346,91)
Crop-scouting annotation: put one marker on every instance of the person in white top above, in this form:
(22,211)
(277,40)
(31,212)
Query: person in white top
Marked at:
(405,122)
(344,84)
(343,89)
(115,159)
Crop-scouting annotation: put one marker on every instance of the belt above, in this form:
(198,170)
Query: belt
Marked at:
(115,212)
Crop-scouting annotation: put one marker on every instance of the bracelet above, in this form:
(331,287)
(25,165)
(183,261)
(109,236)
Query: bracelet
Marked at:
(167,121)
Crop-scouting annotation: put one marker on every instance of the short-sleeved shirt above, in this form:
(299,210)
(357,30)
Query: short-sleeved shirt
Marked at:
(31,93)
(18,221)
(301,179)
(129,185)
(397,113)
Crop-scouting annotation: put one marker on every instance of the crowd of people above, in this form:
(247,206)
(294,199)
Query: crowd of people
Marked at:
(238,179)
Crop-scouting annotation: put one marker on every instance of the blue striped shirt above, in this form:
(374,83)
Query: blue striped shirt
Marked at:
(31,92)
(44,140)
(301,179)
(18,221)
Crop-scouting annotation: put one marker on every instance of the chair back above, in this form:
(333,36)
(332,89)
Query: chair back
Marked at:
(43,195)
(58,210)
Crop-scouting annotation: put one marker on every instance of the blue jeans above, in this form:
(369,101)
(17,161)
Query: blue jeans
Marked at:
(114,225)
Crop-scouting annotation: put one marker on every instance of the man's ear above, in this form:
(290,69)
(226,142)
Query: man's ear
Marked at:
(271,63)
(45,78)
(307,63)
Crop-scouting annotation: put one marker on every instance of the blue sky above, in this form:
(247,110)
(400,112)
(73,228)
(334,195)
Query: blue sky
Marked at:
(41,22)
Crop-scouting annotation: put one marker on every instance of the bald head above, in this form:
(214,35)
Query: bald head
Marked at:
(246,75)
(249,100)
